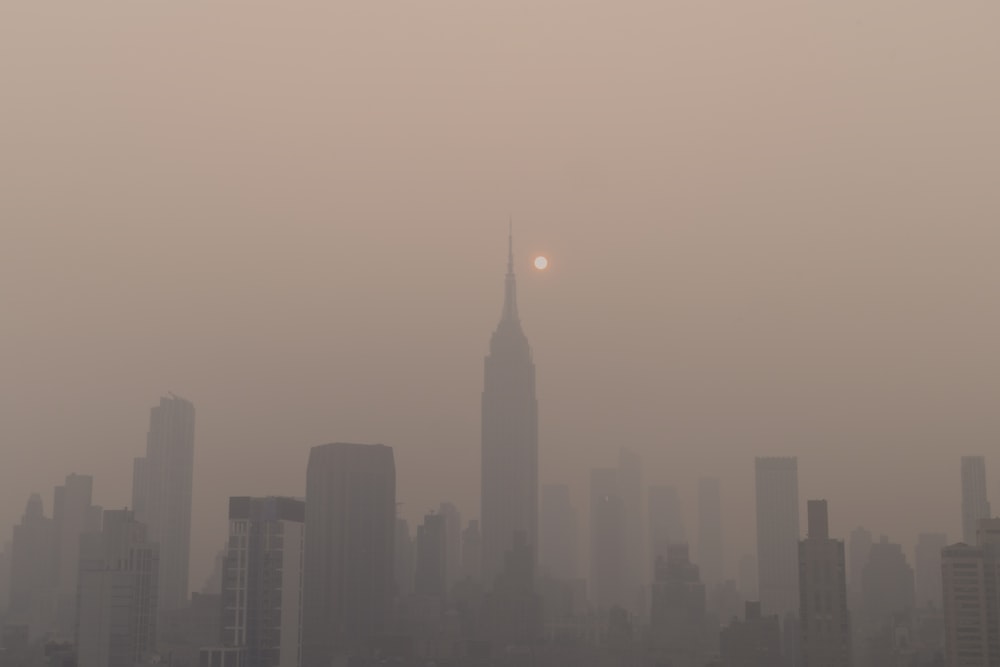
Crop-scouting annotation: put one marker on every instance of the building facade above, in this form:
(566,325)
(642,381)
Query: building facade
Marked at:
(824,620)
(73,514)
(262,580)
(777,490)
(349,558)
(711,555)
(970,581)
(928,569)
(509,438)
(975,505)
(161,494)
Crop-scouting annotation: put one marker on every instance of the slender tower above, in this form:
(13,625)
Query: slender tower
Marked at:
(509,437)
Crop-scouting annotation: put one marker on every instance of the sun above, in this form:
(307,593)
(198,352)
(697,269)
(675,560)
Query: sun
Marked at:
(541,262)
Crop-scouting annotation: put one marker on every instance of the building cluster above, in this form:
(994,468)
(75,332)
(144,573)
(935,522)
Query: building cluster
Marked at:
(336,578)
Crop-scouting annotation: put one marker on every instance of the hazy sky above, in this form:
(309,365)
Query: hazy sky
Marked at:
(773,227)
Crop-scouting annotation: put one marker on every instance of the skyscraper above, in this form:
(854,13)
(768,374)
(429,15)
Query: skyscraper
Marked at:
(453,542)
(404,557)
(928,568)
(161,494)
(666,523)
(607,534)
(349,561)
(560,533)
(117,594)
(630,489)
(430,578)
(777,485)
(975,506)
(33,569)
(472,551)
(887,585)
(73,514)
(509,438)
(678,624)
(859,547)
(262,584)
(971,578)
(753,642)
(825,625)
(710,549)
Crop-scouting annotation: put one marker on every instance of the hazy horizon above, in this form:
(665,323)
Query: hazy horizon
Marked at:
(772,231)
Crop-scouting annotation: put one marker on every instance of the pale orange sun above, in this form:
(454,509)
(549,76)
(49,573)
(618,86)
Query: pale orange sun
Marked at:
(541,262)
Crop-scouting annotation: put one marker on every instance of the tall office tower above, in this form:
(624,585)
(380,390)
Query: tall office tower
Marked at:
(117,604)
(213,583)
(5,577)
(970,581)
(928,569)
(777,482)
(472,552)
(607,535)
(431,575)
(559,533)
(678,624)
(262,583)
(823,616)
(859,548)
(666,523)
(33,570)
(509,438)
(747,580)
(453,542)
(404,557)
(161,494)
(887,584)
(710,549)
(630,489)
(349,563)
(73,515)
(975,506)
(752,642)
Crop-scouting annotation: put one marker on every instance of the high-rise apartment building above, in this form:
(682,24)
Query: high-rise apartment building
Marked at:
(928,569)
(971,579)
(349,561)
(559,537)
(975,506)
(509,438)
(666,522)
(823,617)
(711,556)
(607,535)
(777,487)
(430,578)
(118,581)
(453,542)
(161,494)
(262,580)
(73,514)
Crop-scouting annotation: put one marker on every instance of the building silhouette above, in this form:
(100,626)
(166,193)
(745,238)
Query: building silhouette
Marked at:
(513,607)
(747,577)
(887,588)
(73,514)
(678,623)
(859,549)
(752,642)
(975,506)
(928,569)
(262,580)
(349,560)
(472,551)
(118,586)
(971,579)
(777,488)
(634,525)
(453,542)
(560,538)
(509,437)
(430,578)
(823,616)
(404,557)
(161,494)
(33,570)
(666,522)
(607,535)
(711,556)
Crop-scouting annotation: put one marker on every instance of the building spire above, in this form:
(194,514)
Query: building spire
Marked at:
(510,285)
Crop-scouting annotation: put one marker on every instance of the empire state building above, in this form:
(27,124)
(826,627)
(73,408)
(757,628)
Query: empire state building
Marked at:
(509,438)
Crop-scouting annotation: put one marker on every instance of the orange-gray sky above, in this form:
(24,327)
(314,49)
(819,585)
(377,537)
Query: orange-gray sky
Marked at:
(773,229)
